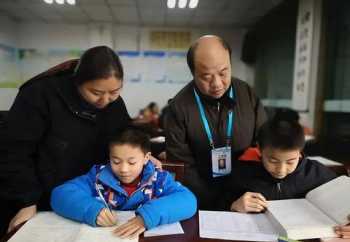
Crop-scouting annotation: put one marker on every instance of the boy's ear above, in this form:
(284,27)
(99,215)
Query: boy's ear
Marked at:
(301,155)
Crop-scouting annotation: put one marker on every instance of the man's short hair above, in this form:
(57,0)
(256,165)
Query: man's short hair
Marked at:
(281,133)
(133,137)
(191,52)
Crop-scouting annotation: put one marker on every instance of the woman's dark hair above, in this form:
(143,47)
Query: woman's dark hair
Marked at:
(282,132)
(98,63)
(134,137)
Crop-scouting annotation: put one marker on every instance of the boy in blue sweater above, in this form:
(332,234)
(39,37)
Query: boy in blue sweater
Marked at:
(129,182)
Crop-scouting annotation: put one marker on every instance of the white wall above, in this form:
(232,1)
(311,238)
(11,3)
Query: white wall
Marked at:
(57,36)
(8,33)
(63,36)
(8,37)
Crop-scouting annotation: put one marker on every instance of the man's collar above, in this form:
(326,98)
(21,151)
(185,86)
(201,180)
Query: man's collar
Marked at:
(224,99)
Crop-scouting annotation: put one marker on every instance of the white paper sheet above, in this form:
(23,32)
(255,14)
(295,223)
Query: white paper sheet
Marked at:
(236,226)
(166,229)
(49,227)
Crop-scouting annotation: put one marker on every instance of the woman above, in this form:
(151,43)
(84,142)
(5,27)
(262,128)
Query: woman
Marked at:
(58,128)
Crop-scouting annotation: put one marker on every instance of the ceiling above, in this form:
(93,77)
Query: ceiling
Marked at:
(209,13)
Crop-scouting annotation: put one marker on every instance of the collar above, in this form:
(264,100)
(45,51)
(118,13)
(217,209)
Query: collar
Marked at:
(108,178)
(224,99)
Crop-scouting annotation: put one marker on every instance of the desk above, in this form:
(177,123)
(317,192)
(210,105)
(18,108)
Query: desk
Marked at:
(190,227)
(340,168)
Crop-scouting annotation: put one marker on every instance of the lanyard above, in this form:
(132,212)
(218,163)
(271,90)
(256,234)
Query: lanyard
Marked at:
(206,124)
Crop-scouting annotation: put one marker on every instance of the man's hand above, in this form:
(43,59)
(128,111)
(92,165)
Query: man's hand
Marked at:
(249,202)
(155,161)
(22,215)
(105,218)
(131,229)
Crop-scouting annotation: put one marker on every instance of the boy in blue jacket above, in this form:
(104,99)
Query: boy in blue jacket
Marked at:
(129,182)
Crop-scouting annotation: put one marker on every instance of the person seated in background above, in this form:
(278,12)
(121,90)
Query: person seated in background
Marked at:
(154,108)
(129,182)
(149,115)
(284,172)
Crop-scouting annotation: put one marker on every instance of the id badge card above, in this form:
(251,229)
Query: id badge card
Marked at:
(221,161)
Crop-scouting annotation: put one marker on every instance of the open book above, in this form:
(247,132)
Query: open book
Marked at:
(49,227)
(313,217)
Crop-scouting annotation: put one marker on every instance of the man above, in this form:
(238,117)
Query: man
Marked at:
(214,117)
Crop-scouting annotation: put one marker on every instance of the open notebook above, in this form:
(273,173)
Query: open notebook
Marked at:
(49,227)
(313,217)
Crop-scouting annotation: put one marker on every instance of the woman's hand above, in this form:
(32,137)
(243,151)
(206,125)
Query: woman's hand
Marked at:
(155,161)
(22,215)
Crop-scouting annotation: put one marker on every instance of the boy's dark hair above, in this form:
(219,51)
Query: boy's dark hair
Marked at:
(288,114)
(282,132)
(98,63)
(133,137)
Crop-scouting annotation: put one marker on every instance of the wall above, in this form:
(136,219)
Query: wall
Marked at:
(44,37)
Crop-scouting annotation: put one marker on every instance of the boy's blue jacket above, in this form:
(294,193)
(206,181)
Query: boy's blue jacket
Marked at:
(159,199)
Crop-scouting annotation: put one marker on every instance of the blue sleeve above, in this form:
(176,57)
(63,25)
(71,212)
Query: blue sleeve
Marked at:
(75,199)
(175,203)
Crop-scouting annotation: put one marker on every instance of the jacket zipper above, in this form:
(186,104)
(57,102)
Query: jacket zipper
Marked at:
(279,190)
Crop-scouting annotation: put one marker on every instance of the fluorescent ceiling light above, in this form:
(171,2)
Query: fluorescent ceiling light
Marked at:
(182,3)
(71,2)
(171,3)
(59,1)
(48,1)
(193,4)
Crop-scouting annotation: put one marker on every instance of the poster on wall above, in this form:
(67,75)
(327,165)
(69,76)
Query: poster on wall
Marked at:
(177,69)
(131,64)
(303,52)
(34,61)
(9,74)
(154,67)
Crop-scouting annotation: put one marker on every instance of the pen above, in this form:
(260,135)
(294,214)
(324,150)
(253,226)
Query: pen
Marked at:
(102,198)
(285,239)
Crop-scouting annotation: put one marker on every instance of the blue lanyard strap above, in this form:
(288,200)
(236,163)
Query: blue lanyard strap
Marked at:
(206,124)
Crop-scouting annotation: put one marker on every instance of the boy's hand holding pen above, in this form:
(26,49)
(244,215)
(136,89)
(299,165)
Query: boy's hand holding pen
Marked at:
(106,217)
(250,202)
